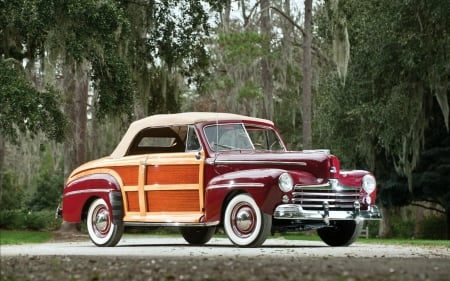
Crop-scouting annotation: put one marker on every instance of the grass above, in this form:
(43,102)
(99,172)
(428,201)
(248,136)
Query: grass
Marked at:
(14,237)
(11,237)
(417,242)
(392,241)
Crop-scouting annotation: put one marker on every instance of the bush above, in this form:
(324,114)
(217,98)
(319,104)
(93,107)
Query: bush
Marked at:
(433,227)
(374,227)
(402,228)
(22,220)
(12,193)
(47,196)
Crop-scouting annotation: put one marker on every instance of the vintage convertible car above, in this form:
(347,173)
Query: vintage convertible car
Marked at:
(199,171)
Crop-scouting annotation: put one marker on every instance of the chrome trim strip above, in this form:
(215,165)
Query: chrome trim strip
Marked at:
(201,224)
(323,194)
(231,185)
(312,187)
(259,162)
(93,190)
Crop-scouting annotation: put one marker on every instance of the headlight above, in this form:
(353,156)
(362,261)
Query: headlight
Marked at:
(285,182)
(369,183)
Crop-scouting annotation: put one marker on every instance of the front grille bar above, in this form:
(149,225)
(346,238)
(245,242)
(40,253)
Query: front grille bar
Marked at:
(337,197)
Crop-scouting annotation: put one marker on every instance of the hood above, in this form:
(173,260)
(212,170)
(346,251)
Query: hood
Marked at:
(318,163)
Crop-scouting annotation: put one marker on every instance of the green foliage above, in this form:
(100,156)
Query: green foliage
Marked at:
(241,48)
(399,63)
(12,193)
(25,109)
(25,220)
(402,228)
(47,195)
(393,191)
(250,90)
(433,227)
(431,180)
(47,185)
(178,36)
(114,84)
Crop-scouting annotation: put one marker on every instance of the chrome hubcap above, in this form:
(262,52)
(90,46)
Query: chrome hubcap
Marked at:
(243,220)
(101,221)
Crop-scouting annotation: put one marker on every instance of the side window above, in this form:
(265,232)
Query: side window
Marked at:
(192,141)
(159,140)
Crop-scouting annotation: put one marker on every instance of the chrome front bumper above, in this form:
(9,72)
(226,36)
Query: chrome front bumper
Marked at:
(296,212)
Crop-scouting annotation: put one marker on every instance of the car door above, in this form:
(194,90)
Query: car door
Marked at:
(170,185)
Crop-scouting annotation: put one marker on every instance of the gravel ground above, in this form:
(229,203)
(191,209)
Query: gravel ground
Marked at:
(257,268)
(148,262)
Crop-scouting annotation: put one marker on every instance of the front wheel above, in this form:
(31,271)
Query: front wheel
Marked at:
(102,231)
(342,233)
(197,235)
(244,223)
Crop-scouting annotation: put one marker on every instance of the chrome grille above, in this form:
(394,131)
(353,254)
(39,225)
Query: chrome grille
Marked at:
(313,197)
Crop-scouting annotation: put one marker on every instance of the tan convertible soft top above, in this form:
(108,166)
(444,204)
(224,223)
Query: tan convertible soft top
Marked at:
(176,119)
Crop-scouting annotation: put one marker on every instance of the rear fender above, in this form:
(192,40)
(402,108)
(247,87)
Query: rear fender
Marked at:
(78,195)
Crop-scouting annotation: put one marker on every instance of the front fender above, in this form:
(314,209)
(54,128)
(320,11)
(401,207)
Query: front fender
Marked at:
(81,191)
(261,184)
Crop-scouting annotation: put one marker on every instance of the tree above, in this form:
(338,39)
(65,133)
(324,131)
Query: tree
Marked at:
(398,69)
(25,110)
(177,51)
(266,64)
(431,183)
(307,78)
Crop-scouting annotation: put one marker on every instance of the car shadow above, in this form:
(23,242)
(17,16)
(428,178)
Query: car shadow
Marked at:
(231,246)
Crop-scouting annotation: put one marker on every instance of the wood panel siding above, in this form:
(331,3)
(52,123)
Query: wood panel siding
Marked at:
(172,174)
(173,201)
(132,201)
(128,174)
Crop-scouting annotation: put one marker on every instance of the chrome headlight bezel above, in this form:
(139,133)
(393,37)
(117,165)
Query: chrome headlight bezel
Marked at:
(285,182)
(369,183)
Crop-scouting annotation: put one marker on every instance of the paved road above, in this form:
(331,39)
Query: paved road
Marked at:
(137,245)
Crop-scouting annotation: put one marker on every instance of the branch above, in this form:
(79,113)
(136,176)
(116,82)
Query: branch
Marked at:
(288,18)
(428,208)
(252,10)
(318,53)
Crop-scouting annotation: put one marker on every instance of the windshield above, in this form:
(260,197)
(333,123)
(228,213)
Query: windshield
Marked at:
(223,137)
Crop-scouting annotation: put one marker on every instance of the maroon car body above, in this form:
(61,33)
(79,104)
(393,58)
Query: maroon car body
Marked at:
(199,171)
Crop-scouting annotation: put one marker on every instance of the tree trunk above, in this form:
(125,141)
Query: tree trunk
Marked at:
(307,78)
(2,159)
(266,68)
(76,86)
(385,230)
(447,213)
(226,15)
(418,221)
(287,34)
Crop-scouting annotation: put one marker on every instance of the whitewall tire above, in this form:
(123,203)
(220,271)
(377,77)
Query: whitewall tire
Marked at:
(102,231)
(244,223)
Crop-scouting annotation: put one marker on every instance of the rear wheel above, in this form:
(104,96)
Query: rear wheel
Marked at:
(244,223)
(102,231)
(197,235)
(341,233)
